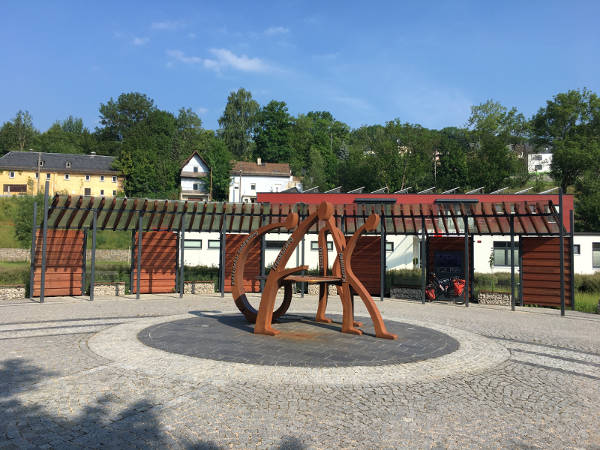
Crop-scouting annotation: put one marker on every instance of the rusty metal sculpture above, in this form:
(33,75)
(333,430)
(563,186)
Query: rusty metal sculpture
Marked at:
(342,275)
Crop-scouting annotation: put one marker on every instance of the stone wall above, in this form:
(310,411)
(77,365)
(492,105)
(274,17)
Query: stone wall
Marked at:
(494,298)
(23,254)
(406,292)
(199,287)
(109,289)
(12,292)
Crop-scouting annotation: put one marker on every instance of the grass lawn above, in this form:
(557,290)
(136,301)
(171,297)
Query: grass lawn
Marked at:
(586,301)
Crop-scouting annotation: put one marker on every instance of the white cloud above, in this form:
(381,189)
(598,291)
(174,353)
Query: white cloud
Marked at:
(167,25)
(139,41)
(276,30)
(201,110)
(222,59)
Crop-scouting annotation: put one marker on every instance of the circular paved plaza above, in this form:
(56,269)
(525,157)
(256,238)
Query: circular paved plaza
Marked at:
(189,373)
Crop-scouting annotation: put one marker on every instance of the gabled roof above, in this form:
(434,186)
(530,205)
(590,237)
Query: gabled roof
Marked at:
(265,169)
(57,162)
(190,158)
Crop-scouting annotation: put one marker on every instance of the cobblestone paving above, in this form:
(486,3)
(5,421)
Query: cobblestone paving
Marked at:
(73,375)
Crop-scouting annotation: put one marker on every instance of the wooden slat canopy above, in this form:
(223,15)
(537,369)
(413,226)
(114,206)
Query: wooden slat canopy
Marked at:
(74,212)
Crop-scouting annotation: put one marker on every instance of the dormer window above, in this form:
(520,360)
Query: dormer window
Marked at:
(68,164)
(195,169)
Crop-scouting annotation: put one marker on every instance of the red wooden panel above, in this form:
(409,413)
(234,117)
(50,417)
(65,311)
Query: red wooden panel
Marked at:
(366,263)
(252,270)
(159,257)
(541,271)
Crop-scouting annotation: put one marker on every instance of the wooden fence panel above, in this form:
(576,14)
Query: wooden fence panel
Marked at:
(232,243)
(159,259)
(541,271)
(366,263)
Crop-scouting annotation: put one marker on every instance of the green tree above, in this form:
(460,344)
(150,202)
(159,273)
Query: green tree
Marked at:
(453,169)
(493,119)
(189,133)
(237,123)
(118,117)
(587,208)
(218,157)
(146,158)
(272,133)
(68,136)
(18,134)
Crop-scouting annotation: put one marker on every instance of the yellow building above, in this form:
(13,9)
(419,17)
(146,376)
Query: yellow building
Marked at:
(26,173)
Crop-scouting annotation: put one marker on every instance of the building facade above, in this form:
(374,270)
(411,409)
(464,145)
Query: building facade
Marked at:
(539,162)
(195,179)
(250,178)
(26,173)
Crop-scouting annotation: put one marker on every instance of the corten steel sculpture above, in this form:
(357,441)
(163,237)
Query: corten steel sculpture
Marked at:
(279,276)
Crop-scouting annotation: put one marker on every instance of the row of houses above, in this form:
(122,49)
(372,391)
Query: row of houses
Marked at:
(25,173)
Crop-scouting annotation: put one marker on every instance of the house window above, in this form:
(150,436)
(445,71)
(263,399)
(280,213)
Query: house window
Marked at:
(193,243)
(87,178)
(114,179)
(253,187)
(195,169)
(214,243)
(389,246)
(537,157)
(87,191)
(41,163)
(196,186)
(101,177)
(11,174)
(502,254)
(314,245)
(101,191)
(68,165)
(274,245)
(538,167)
(47,176)
(114,193)
(67,176)
(596,255)
(576,249)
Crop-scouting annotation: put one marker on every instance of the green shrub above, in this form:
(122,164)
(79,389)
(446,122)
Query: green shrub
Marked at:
(587,283)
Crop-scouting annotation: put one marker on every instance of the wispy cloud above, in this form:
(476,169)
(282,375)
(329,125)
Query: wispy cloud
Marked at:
(222,59)
(201,110)
(352,102)
(168,25)
(139,41)
(271,31)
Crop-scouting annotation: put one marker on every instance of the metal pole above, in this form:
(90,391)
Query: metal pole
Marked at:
(562,252)
(181,264)
(139,257)
(467,262)
(222,258)
(178,244)
(304,284)
(84,261)
(382,261)
(263,247)
(520,273)
(44,242)
(132,258)
(93,274)
(33,239)
(572,261)
(423,263)
(512,263)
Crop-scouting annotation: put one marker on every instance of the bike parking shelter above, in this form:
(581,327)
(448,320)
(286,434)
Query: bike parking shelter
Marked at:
(543,271)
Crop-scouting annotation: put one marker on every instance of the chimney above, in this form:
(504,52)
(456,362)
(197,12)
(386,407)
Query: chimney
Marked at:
(259,161)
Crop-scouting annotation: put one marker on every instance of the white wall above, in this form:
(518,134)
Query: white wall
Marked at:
(262,184)
(583,261)
(195,162)
(543,159)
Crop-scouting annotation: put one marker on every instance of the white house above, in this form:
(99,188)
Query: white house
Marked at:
(539,162)
(248,178)
(195,179)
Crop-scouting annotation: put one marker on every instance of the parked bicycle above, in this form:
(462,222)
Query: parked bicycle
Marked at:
(446,289)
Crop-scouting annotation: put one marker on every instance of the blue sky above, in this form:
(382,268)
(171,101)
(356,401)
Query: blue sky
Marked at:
(366,62)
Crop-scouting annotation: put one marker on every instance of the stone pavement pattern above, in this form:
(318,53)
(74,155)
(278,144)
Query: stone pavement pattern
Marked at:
(56,392)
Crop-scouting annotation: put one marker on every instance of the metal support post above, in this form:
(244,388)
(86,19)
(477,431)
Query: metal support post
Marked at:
(467,263)
(572,261)
(423,263)
(303,284)
(132,258)
(222,258)
(44,242)
(139,257)
(562,251)
(382,260)
(520,274)
(512,263)
(178,244)
(93,274)
(33,243)
(84,261)
(182,261)
(263,247)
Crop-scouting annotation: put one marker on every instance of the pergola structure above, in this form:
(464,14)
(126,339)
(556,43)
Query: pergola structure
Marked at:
(447,217)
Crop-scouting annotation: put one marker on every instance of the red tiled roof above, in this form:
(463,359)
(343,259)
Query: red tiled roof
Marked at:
(268,169)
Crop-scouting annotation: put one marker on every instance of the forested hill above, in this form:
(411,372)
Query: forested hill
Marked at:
(487,151)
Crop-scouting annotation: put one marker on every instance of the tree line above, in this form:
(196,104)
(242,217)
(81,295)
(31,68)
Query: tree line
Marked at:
(488,152)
